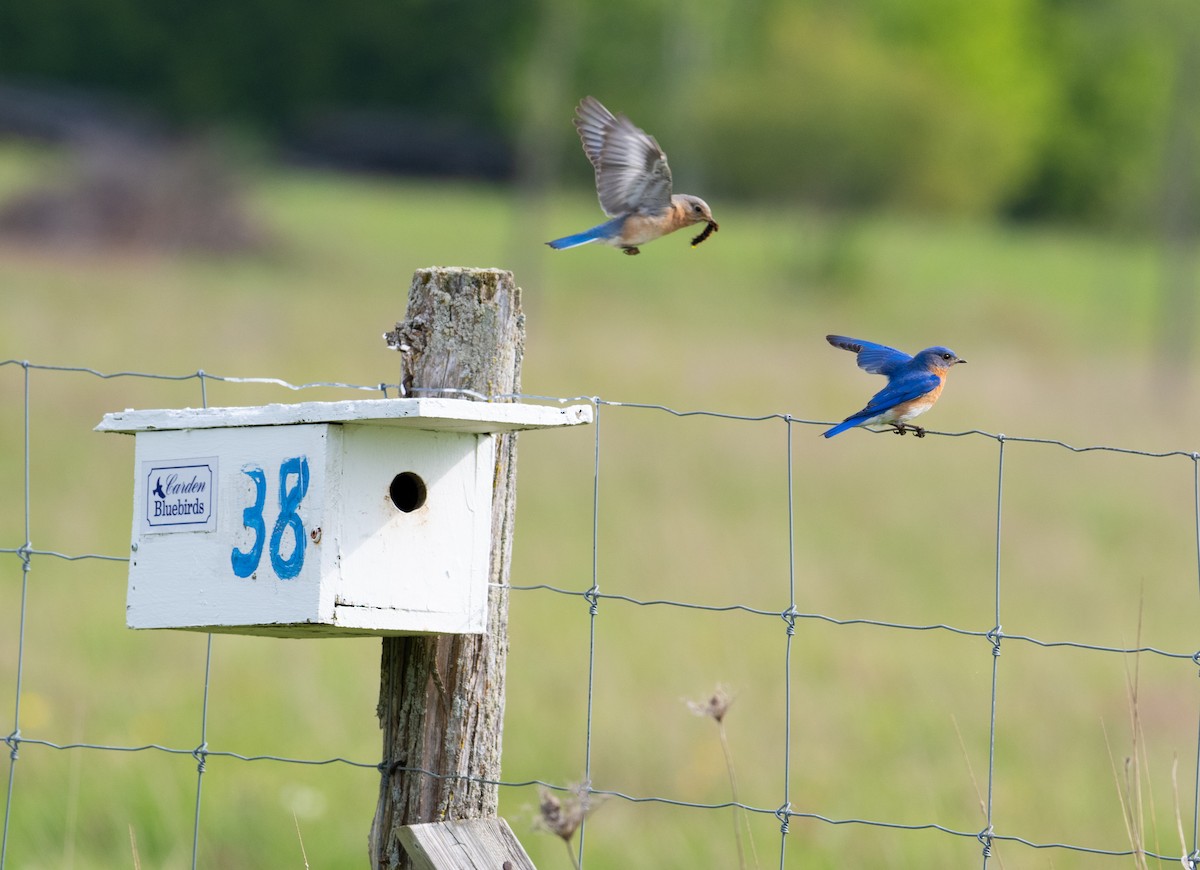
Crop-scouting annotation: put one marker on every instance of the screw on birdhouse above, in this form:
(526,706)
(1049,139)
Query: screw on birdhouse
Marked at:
(315,534)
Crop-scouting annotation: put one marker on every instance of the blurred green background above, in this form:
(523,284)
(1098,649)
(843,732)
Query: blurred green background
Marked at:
(247,188)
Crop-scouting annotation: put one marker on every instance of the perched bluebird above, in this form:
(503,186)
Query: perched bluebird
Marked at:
(914,383)
(633,182)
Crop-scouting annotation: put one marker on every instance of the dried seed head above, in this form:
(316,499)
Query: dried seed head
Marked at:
(563,817)
(715,707)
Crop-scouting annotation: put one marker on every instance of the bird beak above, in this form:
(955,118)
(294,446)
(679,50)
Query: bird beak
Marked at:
(962,360)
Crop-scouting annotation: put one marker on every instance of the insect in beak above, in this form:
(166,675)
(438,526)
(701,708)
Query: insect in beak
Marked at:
(708,230)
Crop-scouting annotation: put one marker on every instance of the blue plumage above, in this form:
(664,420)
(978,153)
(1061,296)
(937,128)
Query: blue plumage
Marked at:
(878,359)
(914,383)
(604,231)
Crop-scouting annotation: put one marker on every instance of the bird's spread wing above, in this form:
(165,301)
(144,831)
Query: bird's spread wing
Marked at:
(904,388)
(593,121)
(632,174)
(878,359)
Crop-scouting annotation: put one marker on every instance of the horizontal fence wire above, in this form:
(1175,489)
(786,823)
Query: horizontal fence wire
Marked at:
(592,597)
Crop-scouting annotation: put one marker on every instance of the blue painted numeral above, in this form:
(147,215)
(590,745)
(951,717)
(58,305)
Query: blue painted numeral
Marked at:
(289,501)
(246,563)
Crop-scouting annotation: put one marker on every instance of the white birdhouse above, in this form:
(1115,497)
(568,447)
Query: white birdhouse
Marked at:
(320,518)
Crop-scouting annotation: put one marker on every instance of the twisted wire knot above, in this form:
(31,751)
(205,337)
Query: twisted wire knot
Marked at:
(985,837)
(995,636)
(200,753)
(784,815)
(592,597)
(789,616)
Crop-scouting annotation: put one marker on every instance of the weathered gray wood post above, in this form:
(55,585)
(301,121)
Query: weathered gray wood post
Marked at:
(441,698)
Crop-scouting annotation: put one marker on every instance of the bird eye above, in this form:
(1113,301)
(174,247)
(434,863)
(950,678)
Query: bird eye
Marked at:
(947,356)
(697,209)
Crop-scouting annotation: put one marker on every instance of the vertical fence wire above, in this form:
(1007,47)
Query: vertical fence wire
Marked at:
(1194,857)
(790,618)
(14,739)
(986,835)
(201,753)
(592,597)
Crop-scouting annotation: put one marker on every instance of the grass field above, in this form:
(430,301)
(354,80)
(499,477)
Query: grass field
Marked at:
(1060,331)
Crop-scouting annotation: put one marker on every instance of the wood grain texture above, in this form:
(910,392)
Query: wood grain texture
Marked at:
(441,699)
(472,844)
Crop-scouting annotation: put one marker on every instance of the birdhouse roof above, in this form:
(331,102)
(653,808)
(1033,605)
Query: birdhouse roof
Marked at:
(446,415)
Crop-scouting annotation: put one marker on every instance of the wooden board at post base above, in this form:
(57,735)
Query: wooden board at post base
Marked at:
(318,519)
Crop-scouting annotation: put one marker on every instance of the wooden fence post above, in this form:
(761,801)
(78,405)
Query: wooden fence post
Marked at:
(441,698)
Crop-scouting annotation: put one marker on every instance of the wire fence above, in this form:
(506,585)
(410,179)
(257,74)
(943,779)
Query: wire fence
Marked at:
(593,597)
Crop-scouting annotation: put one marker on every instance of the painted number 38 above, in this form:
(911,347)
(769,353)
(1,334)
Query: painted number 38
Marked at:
(293,486)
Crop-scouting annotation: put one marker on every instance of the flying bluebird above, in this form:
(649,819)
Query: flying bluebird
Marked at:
(914,383)
(633,182)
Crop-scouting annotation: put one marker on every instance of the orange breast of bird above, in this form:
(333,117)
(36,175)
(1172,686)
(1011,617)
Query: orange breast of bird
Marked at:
(921,404)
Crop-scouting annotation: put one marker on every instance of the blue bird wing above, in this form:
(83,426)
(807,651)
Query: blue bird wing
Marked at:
(632,174)
(900,389)
(878,359)
(903,388)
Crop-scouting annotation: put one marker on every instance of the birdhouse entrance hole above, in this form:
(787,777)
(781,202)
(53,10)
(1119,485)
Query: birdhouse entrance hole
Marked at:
(407,491)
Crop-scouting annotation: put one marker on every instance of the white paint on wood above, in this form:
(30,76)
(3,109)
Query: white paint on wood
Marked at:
(470,844)
(187,579)
(438,414)
(416,562)
(352,561)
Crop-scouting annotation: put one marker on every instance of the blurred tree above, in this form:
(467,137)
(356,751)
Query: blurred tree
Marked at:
(269,63)
(1112,64)
(989,58)
(1027,108)
(867,104)
(1179,214)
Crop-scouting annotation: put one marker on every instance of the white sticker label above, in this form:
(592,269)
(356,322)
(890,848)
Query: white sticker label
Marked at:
(181,495)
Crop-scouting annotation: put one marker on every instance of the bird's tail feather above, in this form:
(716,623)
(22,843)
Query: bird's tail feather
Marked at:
(848,423)
(599,233)
(574,241)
